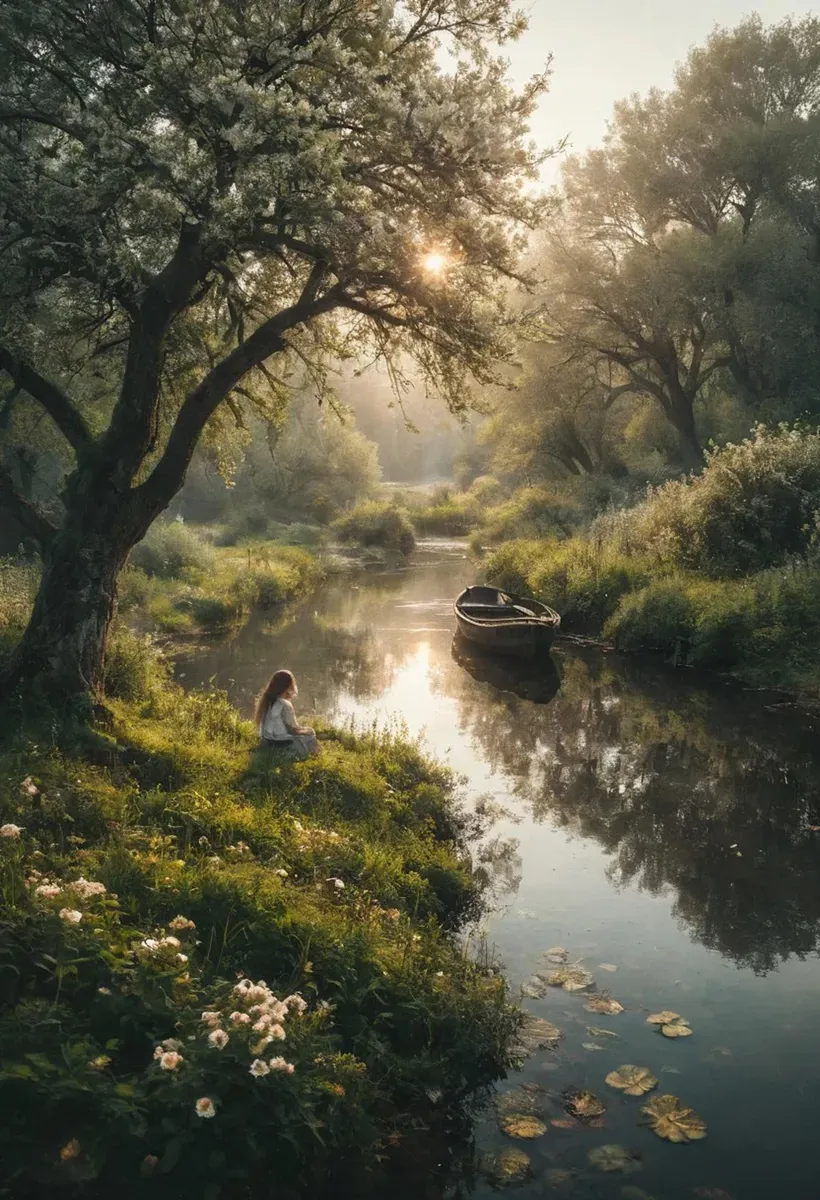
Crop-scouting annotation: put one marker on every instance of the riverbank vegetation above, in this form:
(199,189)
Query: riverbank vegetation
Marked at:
(717,570)
(156,868)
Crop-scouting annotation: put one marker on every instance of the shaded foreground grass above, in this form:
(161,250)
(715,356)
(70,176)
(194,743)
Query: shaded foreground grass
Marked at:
(153,863)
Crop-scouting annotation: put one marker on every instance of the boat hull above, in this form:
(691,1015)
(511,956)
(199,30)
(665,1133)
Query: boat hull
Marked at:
(500,623)
(519,639)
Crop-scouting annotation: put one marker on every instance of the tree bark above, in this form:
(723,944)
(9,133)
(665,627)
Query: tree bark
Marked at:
(63,647)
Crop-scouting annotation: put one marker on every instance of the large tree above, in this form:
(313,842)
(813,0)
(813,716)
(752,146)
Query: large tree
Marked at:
(195,195)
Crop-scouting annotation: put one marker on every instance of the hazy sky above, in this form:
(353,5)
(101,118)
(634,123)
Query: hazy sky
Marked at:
(605,49)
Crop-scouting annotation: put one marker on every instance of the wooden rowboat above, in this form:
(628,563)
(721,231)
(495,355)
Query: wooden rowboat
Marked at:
(505,624)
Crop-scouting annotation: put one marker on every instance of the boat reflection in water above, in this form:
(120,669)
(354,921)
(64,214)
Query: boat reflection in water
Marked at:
(535,679)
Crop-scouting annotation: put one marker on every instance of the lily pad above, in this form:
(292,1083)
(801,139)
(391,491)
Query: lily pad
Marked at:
(523,1125)
(601,1003)
(563,1123)
(571,979)
(538,1034)
(612,1158)
(611,967)
(584,1105)
(663,1018)
(556,954)
(672,1120)
(634,1081)
(508,1167)
(591,1046)
(597,1032)
(676,1029)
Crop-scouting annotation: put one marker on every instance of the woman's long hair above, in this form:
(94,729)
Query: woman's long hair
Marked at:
(279,683)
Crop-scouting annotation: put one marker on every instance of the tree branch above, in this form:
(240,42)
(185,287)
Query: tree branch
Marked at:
(57,404)
(200,404)
(33,520)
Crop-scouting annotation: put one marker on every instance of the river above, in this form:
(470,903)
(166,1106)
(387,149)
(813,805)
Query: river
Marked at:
(664,825)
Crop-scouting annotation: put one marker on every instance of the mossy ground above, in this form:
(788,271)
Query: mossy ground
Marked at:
(167,803)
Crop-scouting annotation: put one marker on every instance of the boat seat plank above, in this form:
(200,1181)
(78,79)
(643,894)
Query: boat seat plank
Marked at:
(497,612)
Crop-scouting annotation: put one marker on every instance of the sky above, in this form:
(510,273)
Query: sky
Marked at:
(606,49)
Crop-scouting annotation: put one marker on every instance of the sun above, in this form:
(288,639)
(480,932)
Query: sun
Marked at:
(434,263)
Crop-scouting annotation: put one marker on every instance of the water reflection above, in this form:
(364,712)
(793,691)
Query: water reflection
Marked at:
(536,680)
(698,790)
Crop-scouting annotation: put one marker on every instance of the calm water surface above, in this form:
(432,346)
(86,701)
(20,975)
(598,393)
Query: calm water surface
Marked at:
(655,822)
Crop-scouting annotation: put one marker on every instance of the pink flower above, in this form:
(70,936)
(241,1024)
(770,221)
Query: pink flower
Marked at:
(71,915)
(212,1019)
(218,1038)
(258,1068)
(181,923)
(279,1064)
(240,1018)
(170,1060)
(205,1107)
(11,831)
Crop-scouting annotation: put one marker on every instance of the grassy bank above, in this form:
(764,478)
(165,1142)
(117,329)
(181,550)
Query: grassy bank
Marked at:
(154,864)
(720,571)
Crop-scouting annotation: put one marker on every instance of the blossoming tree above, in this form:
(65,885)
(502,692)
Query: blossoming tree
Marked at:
(201,199)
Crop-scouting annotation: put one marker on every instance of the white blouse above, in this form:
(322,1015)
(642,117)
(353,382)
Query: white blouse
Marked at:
(279,722)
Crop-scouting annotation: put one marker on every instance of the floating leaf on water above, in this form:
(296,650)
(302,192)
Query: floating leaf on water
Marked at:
(614,1158)
(634,1081)
(591,1046)
(571,979)
(538,1034)
(584,1105)
(533,989)
(672,1120)
(601,1003)
(676,1029)
(556,954)
(596,1032)
(671,1071)
(663,1018)
(508,1167)
(607,967)
(523,1125)
(563,1123)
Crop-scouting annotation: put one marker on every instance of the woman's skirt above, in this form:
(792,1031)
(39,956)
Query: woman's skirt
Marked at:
(298,745)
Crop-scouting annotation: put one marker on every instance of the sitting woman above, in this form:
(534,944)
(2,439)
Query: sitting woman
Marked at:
(276,720)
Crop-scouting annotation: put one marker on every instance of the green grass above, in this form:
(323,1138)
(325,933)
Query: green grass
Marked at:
(171,808)
(236,581)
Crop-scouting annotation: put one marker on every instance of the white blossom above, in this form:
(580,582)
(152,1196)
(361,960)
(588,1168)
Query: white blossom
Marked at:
(218,1038)
(279,1064)
(205,1107)
(170,1060)
(71,915)
(11,831)
(259,1068)
(48,890)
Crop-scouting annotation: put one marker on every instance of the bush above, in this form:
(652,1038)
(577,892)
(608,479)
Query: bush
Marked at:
(171,548)
(133,666)
(754,505)
(530,512)
(377,523)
